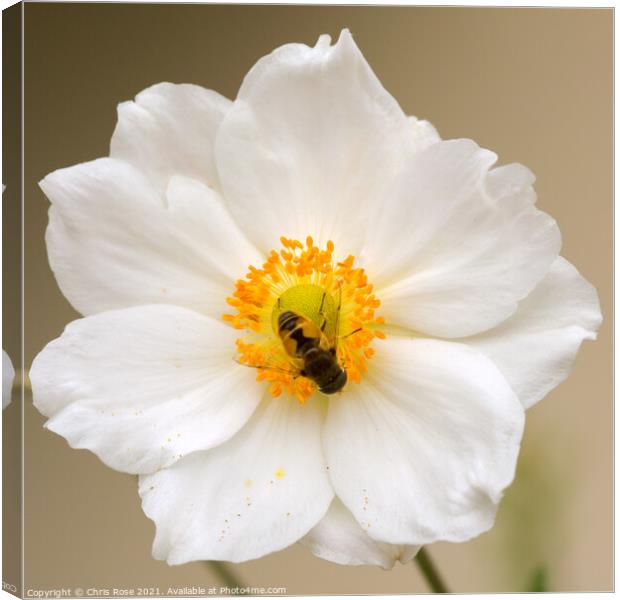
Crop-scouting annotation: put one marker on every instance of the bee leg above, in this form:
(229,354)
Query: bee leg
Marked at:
(323,325)
(337,328)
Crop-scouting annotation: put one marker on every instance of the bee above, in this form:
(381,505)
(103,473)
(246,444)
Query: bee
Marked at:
(309,349)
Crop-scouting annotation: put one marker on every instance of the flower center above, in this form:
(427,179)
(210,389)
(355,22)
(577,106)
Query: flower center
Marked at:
(309,321)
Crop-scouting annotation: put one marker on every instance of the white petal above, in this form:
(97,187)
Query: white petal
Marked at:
(339,538)
(143,386)
(446,257)
(8,374)
(510,182)
(114,241)
(424,133)
(170,130)
(256,494)
(219,247)
(535,348)
(310,141)
(422,449)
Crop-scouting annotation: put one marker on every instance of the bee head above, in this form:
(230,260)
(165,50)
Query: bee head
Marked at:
(336,384)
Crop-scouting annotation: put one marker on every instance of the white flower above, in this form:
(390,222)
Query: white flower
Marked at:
(456,314)
(8,375)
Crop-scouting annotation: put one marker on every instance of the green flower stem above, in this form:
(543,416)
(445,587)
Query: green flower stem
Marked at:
(432,576)
(225,574)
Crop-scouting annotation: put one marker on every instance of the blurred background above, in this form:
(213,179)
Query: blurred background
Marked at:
(534,85)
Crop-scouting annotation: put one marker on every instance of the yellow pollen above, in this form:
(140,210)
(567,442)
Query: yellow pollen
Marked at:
(304,279)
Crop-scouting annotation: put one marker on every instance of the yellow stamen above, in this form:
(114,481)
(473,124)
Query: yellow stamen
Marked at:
(306,280)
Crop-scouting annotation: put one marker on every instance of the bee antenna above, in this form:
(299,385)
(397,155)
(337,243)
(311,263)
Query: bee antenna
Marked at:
(352,332)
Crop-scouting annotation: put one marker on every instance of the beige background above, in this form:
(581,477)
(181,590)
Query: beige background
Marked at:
(534,85)
(11,286)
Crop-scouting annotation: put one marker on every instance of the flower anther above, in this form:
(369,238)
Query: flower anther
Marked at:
(303,279)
